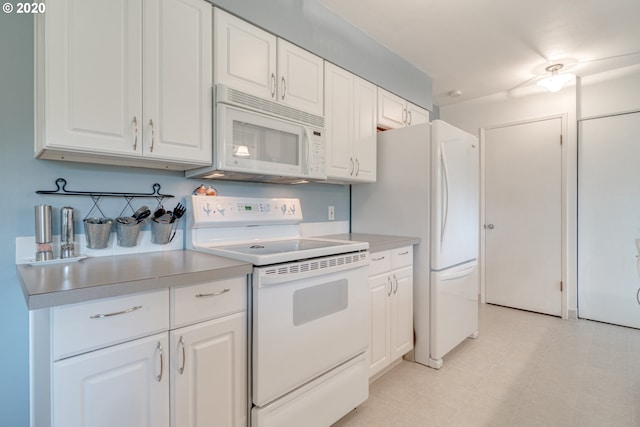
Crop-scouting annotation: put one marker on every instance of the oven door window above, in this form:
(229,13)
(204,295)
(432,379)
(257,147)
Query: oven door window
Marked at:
(262,144)
(318,301)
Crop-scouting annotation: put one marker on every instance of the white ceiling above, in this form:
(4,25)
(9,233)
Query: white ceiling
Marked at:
(484,47)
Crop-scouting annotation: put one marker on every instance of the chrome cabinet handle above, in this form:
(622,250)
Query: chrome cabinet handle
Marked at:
(404,115)
(117,313)
(378,259)
(357,166)
(395,279)
(403,253)
(135,139)
(409,117)
(153,133)
(390,286)
(284,88)
(184,356)
(352,166)
(214,294)
(160,350)
(273,85)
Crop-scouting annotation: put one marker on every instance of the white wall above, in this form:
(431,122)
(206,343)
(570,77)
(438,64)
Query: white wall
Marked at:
(609,93)
(528,104)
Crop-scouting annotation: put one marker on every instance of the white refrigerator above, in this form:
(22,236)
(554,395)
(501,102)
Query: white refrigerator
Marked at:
(428,187)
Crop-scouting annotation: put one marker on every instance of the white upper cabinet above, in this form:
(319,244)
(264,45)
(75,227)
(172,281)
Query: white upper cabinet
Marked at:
(125,82)
(301,78)
(254,61)
(245,56)
(177,80)
(395,112)
(351,126)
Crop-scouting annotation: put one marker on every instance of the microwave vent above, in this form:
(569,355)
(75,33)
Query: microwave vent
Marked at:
(228,95)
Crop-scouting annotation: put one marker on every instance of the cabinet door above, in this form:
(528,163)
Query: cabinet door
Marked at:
(208,366)
(392,110)
(364,138)
(379,291)
(401,312)
(91,79)
(300,78)
(416,115)
(126,385)
(339,122)
(178,81)
(245,56)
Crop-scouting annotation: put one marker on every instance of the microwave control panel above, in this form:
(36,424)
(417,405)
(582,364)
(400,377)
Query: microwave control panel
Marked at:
(315,166)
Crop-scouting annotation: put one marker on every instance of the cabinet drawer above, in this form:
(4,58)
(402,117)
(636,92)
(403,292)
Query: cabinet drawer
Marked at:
(195,303)
(83,327)
(401,257)
(379,262)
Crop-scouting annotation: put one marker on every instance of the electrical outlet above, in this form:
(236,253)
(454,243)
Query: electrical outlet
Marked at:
(332,213)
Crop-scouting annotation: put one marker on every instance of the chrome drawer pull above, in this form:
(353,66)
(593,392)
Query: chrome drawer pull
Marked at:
(129,310)
(403,253)
(215,294)
(377,259)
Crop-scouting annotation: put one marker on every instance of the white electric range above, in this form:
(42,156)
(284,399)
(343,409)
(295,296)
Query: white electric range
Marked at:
(309,315)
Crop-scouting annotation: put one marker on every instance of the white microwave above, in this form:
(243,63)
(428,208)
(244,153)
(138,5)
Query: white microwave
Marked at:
(258,140)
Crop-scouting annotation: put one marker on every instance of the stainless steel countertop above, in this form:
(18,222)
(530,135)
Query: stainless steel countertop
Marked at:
(100,277)
(377,242)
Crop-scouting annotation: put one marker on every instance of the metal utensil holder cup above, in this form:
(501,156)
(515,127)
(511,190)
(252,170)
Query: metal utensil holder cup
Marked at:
(96,196)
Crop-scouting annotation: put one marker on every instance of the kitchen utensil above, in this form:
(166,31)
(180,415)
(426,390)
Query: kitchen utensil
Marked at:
(159,212)
(141,214)
(178,211)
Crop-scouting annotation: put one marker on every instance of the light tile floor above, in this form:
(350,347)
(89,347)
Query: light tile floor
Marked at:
(524,369)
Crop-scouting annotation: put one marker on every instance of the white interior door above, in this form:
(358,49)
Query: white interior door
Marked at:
(523,216)
(609,220)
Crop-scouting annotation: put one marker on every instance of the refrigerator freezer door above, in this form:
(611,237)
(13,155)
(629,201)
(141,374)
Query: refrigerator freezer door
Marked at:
(454,196)
(454,309)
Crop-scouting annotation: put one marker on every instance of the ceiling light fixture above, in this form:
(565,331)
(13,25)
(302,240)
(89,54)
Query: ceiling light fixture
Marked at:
(555,81)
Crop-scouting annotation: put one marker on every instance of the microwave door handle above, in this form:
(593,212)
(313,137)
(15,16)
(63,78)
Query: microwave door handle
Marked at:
(308,148)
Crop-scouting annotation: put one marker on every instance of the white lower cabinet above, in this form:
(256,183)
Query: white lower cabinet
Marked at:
(126,385)
(170,358)
(208,373)
(391,307)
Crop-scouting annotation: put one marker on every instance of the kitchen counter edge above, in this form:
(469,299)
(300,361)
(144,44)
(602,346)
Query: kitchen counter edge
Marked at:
(46,286)
(377,242)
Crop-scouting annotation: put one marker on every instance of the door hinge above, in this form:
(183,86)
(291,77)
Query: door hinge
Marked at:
(560,139)
(561,286)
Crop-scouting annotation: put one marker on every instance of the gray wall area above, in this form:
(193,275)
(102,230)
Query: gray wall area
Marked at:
(312,26)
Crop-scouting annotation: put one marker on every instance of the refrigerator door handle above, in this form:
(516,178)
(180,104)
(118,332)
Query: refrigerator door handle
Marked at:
(445,193)
(458,274)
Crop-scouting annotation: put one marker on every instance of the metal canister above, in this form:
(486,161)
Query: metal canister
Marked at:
(43,232)
(67,236)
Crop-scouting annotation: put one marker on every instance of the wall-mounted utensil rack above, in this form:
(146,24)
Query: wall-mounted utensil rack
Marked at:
(96,196)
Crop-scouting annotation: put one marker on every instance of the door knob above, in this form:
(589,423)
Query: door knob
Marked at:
(489,226)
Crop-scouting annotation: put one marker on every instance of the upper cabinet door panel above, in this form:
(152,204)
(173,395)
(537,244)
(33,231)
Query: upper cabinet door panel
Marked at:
(301,78)
(178,80)
(391,110)
(416,115)
(245,56)
(93,75)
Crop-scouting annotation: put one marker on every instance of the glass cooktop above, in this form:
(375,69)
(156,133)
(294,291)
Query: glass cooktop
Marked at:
(276,251)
